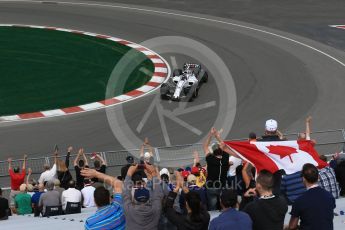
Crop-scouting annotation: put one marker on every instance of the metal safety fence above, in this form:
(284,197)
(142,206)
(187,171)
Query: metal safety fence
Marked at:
(328,142)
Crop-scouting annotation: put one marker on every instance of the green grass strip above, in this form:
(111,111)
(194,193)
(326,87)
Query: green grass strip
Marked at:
(46,69)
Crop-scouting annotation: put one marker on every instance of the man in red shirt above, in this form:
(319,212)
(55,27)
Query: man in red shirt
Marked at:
(17,178)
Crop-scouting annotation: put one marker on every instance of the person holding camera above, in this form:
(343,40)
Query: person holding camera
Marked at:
(142,202)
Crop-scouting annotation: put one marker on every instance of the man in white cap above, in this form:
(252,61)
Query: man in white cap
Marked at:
(271,131)
(273,134)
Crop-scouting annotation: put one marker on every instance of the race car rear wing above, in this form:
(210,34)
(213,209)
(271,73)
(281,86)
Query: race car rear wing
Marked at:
(191,65)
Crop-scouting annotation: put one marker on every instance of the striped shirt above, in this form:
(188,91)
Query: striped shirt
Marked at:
(328,181)
(292,186)
(108,217)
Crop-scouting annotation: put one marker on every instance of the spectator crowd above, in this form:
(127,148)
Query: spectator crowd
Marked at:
(146,197)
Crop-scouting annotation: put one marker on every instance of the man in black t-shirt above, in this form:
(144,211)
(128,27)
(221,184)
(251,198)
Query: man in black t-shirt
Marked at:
(79,165)
(217,167)
(268,211)
(4,208)
(100,166)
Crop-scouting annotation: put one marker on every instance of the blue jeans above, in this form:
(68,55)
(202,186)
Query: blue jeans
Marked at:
(213,198)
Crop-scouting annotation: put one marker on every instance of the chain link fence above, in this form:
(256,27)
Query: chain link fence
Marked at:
(330,141)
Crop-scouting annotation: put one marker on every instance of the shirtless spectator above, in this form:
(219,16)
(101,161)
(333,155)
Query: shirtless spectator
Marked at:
(17,178)
(80,164)
(306,134)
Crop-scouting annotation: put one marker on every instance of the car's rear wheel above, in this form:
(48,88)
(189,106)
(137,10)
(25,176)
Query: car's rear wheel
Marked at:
(177,72)
(205,77)
(195,94)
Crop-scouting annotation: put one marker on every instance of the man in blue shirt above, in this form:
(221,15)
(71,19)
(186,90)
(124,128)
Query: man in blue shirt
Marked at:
(109,215)
(315,207)
(230,218)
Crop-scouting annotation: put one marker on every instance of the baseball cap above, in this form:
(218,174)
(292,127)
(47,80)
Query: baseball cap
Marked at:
(141,195)
(164,171)
(191,178)
(271,125)
(147,155)
(188,169)
(195,170)
(185,174)
(130,159)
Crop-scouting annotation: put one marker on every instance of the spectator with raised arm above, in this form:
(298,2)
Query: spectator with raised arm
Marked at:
(30,187)
(198,171)
(63,173)
(100,165)
(35,200)
(17,178)
(146,156)
(142,203)
(80,164)
(197,216)
(315,208)
(124,169)
(217,167)
(248,172)
(109,214)
(49,174)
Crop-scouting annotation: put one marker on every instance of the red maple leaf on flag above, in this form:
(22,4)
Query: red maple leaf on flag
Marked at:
(282,151)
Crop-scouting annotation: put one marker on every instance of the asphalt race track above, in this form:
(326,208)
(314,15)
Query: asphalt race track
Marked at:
(276,75)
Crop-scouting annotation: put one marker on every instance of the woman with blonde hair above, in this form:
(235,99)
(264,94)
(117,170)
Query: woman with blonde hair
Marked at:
(63,172)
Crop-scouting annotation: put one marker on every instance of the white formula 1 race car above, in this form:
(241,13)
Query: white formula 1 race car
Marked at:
(184,84)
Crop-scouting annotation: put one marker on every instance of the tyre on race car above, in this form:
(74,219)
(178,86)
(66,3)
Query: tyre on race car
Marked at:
(164,90)
(205,77)
(177,72)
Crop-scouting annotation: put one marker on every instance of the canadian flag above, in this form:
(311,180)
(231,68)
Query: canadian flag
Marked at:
(276,155)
